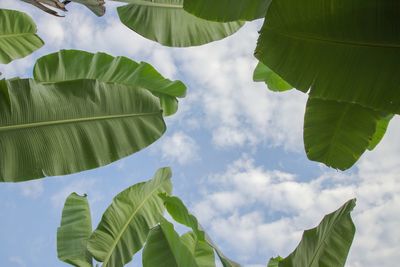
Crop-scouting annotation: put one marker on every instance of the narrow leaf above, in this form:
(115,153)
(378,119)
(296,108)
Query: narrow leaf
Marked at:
(69,65)
(17,35)
(67,127)
(166,22)
(74,231)
(326,245)
(274,82)
(227,10)
(164,248)
(336,133)
(178,211)
(202,251)
(126,223)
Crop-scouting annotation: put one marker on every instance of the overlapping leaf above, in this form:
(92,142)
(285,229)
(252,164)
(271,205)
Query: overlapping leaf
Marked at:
(69,65)
(202,251)
(74,231)
(17,35)
(178,211)
(164,248)
(227,10)
(126,223)
(336,133)
(324,45)
(66,127)
(166,22)
(274,82)
(326,245)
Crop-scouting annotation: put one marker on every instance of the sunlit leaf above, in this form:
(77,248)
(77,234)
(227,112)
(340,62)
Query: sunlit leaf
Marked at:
(202,251)
(274,82)
(380,131)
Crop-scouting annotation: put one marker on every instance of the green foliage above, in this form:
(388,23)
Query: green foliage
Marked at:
(17,35)
(274,82)
(166,22)
(381,128)
(75,230)
(135,218)
(326,245)
(68,65)
(227,10)
(126,223)
(338,133)
(164,248)
(49,129)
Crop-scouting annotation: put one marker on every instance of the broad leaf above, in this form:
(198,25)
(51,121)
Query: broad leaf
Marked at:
(336,133)
(274,262)
(178,211)
(62,128)
(126,223)
(17,35)
(69,65)
(326,245)
(75,230)
(166,22)
(324,45)
(274,82)
(227,10)
(202,251)
(380,131)
(96,6)
(164,248)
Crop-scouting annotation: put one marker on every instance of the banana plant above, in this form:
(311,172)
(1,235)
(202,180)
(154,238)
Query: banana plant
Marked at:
(18,36)
(135,220)
(72,118)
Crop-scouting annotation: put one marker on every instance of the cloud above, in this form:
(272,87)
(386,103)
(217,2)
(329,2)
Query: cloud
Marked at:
(32,189)
(81,187)
(256,213)
(180,148)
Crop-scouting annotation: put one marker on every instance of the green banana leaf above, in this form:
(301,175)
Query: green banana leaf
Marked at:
(273,81)
(202,251)
(326,245)
(380,131)
(336,133)
(126,223)
(74,231)
(227,10)
(274,262)
(96,6)
(67,65)
(164,248)
(178,211)
(17,35)
(67,127)
(324,45)
(166,22)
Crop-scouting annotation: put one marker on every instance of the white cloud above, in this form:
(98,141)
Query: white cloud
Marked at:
(180,148)
(259,213)
(32,189)
(81,187)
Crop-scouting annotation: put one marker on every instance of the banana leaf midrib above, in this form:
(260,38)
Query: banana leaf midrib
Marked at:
(70,121)
(309,37)
(152,4)
(125,226)
(16,35)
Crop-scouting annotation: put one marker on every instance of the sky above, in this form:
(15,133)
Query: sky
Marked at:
(235,149)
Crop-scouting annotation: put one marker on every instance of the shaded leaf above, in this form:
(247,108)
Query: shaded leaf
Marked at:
(326,245)
(324,45)
(69,65)
(227,10)
(62,128)
(380,131)
(74,231)
(17,35)
(202,251)
(164,248)
(274,82)
(336,133)
(126,223)
(96,6)
(166,22)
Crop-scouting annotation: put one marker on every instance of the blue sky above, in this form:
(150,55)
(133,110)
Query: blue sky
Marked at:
(235,148)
